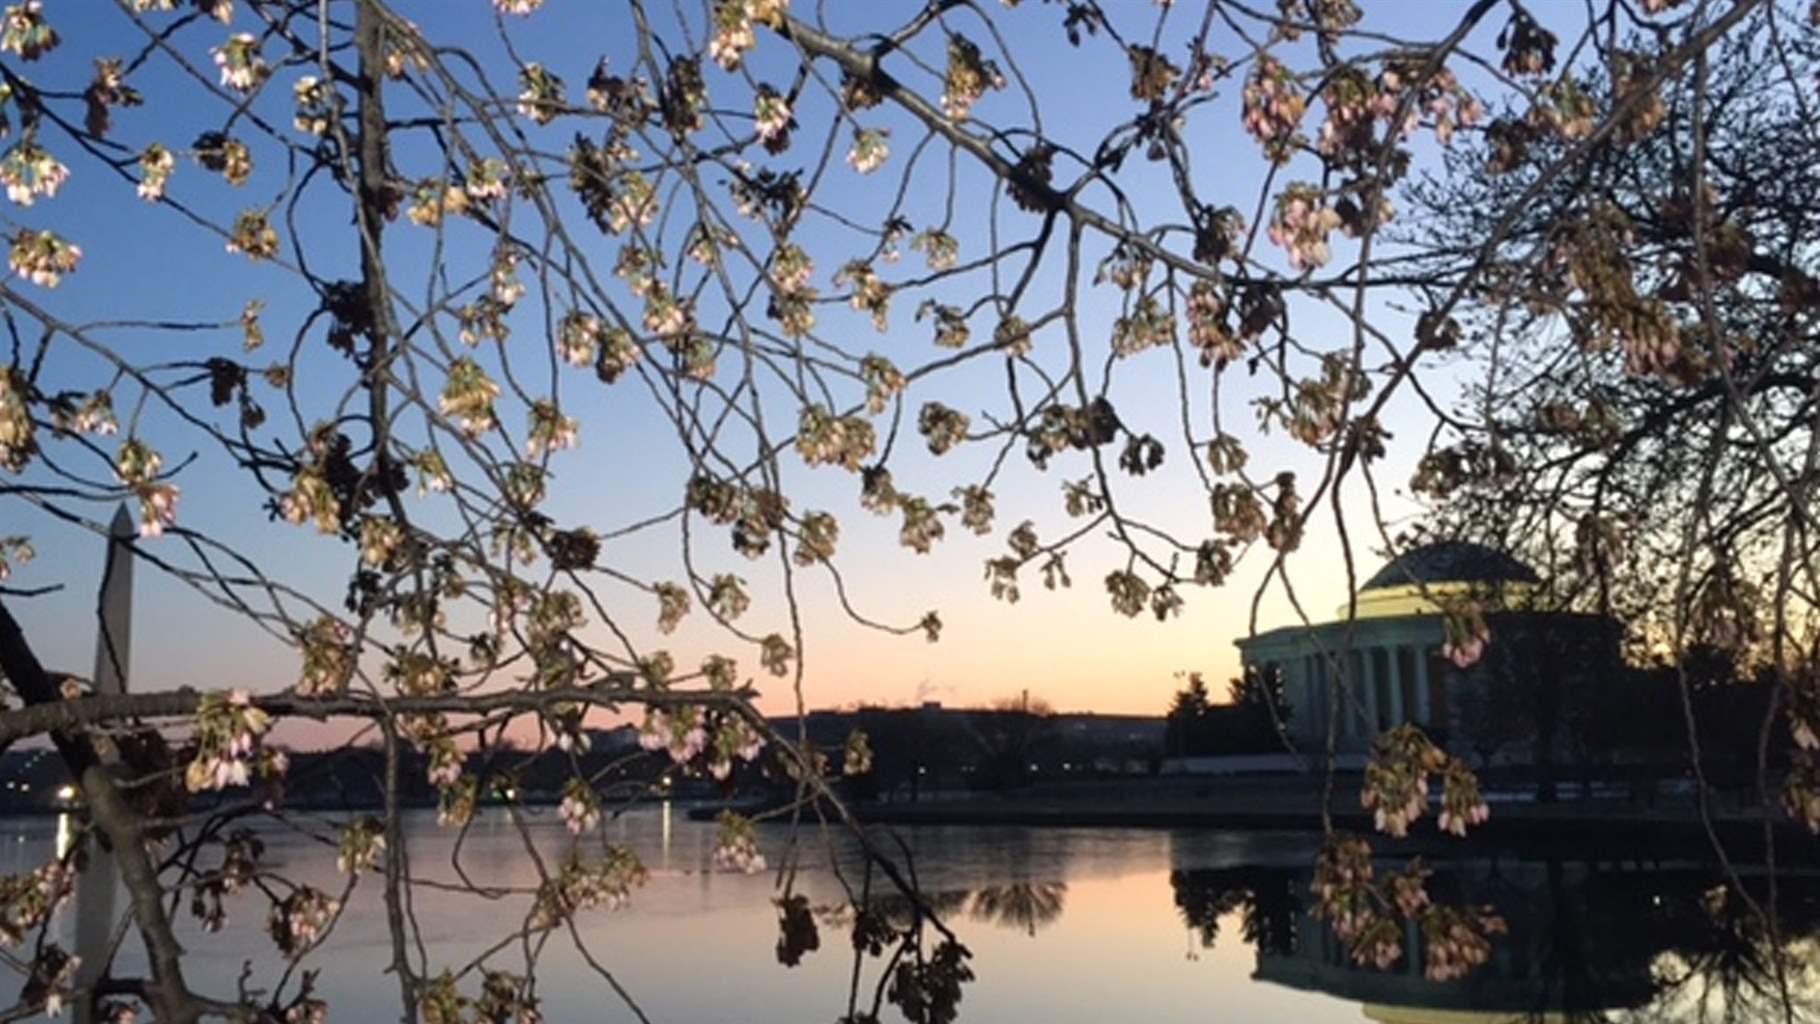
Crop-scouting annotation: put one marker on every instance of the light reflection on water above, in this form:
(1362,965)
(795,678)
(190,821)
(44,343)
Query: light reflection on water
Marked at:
(1064,925)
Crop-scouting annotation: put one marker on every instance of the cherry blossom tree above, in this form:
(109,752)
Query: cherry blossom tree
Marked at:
(469,254)
(1643,425)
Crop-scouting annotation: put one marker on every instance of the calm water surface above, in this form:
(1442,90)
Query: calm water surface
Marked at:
(1063,925)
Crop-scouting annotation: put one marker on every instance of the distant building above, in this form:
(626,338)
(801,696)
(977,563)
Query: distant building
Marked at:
(936,747)
(1385,666)
(1131,732)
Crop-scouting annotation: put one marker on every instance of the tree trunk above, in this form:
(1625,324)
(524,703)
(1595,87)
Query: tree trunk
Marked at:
(119,823)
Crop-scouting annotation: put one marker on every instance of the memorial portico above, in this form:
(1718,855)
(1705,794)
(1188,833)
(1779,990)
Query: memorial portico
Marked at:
(1379,663)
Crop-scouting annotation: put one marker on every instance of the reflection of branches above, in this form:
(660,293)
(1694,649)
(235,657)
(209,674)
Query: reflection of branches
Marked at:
(924,982)
(1024,905)
(1203,905)
(1722,964)
(1262,896)
(892,910)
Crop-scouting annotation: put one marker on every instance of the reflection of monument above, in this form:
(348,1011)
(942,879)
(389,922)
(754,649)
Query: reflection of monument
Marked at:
(1536,973)
(1576,941)
(1583,941)
(1388,666)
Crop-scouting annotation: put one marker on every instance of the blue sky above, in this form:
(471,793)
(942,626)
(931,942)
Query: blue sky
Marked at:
(146,262)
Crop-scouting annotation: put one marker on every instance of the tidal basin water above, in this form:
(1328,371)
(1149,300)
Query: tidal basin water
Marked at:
(1063,925)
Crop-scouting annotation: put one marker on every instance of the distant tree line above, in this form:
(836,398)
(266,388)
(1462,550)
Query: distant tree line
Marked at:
(1626,725)
(1250,721)
(1011,743)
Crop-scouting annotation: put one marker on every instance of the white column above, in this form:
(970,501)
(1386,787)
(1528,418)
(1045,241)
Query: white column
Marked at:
(1418,663)
(1298,689)
(1365,701)
(1393,681)
(1317,685)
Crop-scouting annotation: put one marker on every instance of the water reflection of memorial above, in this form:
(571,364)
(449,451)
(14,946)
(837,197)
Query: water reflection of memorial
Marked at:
(1586,943)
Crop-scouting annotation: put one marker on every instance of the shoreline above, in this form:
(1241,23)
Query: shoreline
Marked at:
(1510,826)
(1276,806)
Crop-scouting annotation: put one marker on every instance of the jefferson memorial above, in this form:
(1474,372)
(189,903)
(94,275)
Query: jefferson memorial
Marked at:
(1385,665)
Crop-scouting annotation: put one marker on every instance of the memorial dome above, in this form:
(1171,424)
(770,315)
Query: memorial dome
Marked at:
(1451,561)
(1412,582)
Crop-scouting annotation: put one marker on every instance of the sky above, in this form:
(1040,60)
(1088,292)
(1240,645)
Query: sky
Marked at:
(146,262)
